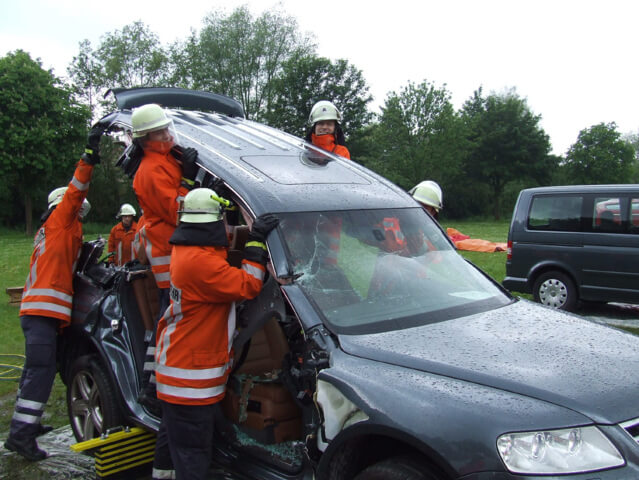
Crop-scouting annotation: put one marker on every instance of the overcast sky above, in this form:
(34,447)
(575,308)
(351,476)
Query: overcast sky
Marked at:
(574,61)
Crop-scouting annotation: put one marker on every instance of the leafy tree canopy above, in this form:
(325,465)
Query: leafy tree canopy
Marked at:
(418,136)
(131,57)
(43,128)
(507,143)
(600,156)
(240,56)
(307,79)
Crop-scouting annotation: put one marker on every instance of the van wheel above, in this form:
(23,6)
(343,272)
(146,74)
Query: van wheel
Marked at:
(92,403)
(557,290)
(397,468)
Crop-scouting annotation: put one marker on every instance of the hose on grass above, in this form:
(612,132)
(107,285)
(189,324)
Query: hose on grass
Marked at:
(11,366)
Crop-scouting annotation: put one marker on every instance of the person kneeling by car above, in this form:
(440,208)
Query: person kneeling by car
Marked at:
(194,337)
(48,298)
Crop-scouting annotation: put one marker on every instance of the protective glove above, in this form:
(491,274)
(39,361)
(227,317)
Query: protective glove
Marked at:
(217,185)
(255,249)
(189,167)
(91,153)
(262,226)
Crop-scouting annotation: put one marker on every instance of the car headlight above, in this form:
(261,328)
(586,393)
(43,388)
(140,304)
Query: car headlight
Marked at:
(570,450)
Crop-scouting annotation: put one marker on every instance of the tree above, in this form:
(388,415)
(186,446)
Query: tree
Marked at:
(306,79)
(43,127)
(131,57)
(507,143)
(239,56)
(600,155)
(418,137)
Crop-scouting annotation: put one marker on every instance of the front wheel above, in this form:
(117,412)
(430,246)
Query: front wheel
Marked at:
(92,403)
(557,290)
(397,468)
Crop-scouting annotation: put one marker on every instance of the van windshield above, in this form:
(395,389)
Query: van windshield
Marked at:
(377,270)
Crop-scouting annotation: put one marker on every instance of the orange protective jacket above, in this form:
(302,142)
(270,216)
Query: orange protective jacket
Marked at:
(121,243)
(56,247)
(157,187)
(327,142)
(194,337)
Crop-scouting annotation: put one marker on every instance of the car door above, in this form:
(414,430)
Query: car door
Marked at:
(610,269)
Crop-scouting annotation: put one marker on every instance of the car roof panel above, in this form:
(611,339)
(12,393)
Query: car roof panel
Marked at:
(274,171)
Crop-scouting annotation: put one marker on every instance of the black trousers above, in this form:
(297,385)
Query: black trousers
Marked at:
(189,430)
(38,374)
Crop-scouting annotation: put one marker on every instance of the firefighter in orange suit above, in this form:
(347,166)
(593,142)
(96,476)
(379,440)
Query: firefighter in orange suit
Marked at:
(193,354)
(325,130)
(121,247)
(160,184)
(47,300)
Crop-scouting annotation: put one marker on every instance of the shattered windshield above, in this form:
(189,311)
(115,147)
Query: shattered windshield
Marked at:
(375,270)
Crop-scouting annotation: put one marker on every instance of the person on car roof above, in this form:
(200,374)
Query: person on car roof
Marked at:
(325,130)
(121,248)
(166,173)
(47,300)
(193,355)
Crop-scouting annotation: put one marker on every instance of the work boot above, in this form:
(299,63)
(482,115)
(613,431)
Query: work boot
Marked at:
(43,429)
(27,448)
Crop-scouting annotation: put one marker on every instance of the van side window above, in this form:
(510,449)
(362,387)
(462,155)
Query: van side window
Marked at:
(607,216)
(634,215)
(556,212)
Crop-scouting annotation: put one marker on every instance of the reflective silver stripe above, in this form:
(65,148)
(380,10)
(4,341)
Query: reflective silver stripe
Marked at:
(52,307)
(191,374)
(164,260)
(165,339)
(49,292)
(149,366)
(150,350)
(254,271)
(162,277)
(118,257)
(30,404)
(191,392)
(152,379)
(26,418)
(79,185)
(162,474)
(230,326)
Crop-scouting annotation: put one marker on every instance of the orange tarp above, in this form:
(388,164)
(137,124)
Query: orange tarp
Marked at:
(464,242)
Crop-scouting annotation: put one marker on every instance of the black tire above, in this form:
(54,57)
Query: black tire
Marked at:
(92,403)
(557,290)
(397,468)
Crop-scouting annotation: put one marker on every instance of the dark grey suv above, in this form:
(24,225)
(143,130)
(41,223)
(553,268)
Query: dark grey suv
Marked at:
(374,351)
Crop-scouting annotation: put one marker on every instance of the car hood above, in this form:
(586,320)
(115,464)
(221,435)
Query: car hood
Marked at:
(526,349)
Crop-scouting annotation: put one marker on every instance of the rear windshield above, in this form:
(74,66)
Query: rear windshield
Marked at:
(378,270)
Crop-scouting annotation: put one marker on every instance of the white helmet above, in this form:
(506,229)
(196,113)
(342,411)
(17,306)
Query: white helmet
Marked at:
(126,209)
(324,110)
(428,193)
(201,205)
(55,196)
(148,118)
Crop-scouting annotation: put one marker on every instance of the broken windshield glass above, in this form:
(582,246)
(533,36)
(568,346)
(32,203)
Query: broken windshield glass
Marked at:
(378,266)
